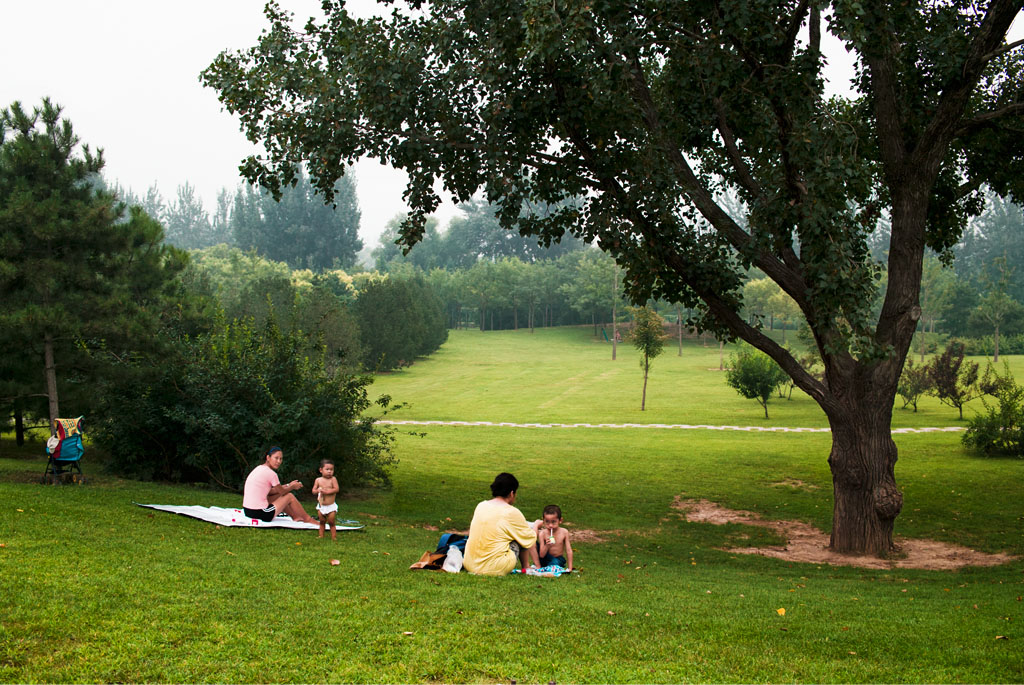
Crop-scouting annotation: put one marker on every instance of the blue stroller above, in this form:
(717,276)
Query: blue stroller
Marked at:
(64,450)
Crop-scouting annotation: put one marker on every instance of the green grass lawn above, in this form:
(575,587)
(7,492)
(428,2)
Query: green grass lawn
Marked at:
(95,589)
(566,375)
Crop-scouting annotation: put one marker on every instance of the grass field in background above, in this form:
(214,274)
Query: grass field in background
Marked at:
(95,589)
(567,375)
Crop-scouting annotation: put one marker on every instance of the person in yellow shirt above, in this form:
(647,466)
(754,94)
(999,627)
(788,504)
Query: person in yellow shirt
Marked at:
(499,534)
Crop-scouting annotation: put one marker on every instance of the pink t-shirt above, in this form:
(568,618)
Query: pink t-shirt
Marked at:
(258,485)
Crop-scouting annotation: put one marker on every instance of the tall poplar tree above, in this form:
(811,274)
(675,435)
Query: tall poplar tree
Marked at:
(649,110)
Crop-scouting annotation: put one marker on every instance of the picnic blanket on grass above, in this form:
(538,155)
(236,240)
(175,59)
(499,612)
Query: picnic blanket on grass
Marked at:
(224,516)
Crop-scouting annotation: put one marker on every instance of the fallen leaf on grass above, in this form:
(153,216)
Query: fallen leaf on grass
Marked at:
(335,562)
(846,627)
(387,554)
(852,653)
(611,613)
(297,544)
(4,544)
(407,632)
(21,510)
(781,611)
(1002,637)
(230,554)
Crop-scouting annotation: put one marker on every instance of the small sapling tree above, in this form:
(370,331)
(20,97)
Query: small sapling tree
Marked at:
(915,381)
(754,375)
(648,337)
(954,381)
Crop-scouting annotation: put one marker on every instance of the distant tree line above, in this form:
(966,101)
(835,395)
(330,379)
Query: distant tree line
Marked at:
(298,229)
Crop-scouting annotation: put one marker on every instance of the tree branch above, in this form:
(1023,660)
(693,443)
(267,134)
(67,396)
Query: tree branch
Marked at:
(787,278)
(796,187)
(741,329)
(814,31)
(735,158)
(793,30)
(988,118)
(931,149)
(1003,50)
(967,188)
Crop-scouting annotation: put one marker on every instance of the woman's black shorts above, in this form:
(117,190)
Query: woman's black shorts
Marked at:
(265,515)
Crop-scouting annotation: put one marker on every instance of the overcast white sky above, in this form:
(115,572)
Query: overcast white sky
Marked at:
(127,74)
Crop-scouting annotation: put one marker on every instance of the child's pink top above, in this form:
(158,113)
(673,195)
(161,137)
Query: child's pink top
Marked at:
(257,487)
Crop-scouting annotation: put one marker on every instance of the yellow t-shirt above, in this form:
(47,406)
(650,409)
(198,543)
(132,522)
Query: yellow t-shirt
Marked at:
(494,526)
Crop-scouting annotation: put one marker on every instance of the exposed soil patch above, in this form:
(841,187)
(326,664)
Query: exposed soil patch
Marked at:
(807,544)
(794,483)
(589,536)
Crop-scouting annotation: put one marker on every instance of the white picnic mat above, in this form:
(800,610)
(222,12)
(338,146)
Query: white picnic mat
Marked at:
(223,516)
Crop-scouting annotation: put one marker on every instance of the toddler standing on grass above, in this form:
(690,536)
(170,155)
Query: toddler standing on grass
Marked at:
(326,490)
(553,540)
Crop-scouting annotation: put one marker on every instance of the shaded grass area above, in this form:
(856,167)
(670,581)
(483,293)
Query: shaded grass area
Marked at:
(567,375)
(94,589)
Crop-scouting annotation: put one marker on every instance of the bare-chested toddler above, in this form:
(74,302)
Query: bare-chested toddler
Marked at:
(553,545)
(326,490)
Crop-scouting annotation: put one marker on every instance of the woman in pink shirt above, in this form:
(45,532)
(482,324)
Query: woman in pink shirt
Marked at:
(264,497)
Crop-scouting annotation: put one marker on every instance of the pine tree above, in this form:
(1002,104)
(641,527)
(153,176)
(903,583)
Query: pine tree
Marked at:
(75,272)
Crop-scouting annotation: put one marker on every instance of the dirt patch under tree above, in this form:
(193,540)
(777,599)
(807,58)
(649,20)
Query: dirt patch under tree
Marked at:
(807,544)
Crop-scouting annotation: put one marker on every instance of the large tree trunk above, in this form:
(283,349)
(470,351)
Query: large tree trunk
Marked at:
(51,378)
(19,427)
(643,397)
(921,346)
(866,498)
(679,320)
(614,333)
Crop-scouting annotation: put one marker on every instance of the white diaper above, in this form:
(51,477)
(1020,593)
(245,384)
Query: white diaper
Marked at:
(329,509)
